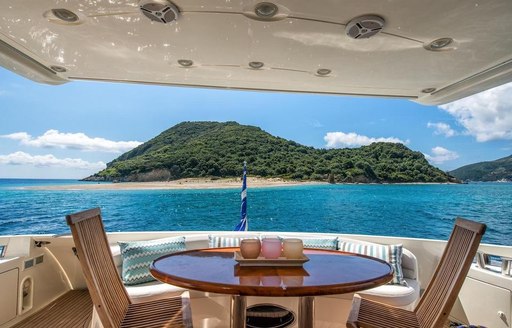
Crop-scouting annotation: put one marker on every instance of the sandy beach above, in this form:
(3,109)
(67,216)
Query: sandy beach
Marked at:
(192,183)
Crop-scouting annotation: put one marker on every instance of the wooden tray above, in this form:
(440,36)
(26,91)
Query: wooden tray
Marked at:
(261,261)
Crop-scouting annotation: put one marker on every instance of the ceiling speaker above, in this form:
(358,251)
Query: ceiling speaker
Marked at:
(364,27)
(159,10)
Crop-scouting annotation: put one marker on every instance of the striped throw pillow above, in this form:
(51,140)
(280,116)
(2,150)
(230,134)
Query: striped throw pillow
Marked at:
(320,243)
(224,241)
(138,256)
(389,253)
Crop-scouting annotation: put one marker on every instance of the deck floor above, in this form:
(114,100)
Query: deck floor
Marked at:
(74,310)
(71,310)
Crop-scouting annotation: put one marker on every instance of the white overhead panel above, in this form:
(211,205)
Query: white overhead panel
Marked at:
(428,51)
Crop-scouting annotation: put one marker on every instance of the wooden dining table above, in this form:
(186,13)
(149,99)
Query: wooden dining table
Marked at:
(327,272)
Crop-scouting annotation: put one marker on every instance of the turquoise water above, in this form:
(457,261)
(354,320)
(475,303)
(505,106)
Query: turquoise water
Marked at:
(423,211)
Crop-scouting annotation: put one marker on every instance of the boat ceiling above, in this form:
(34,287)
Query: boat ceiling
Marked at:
(113,41)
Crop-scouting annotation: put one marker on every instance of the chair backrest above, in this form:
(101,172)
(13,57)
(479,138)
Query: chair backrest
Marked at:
(437,301)
(107,291)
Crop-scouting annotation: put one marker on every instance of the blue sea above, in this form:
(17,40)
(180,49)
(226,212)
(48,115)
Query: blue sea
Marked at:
(422,211)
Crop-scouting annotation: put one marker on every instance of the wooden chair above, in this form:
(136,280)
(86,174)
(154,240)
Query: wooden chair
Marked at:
(111,301)
(437,301)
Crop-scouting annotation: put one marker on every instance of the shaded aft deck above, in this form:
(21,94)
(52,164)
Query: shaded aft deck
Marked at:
(73,309)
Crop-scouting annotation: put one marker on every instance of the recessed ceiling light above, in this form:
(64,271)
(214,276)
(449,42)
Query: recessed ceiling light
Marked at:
(256,64)
(58,69)
(266,10)
(323,71)
(185,62)
(428,90)
(439,44)
(65,15)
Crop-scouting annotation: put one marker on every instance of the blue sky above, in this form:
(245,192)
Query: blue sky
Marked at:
(72,130)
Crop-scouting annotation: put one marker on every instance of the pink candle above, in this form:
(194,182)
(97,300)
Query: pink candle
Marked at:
(271,248)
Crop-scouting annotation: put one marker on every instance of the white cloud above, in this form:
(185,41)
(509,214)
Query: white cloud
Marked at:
(56,139)
(442,129)
(21,136)
(441,155)
(352,139)
(21,158)
(487,115)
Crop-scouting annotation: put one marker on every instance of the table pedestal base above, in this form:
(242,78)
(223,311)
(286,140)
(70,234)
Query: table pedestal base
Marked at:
(306,311)
(238,311)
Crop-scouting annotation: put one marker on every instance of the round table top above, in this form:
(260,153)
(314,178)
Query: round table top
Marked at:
(327,272)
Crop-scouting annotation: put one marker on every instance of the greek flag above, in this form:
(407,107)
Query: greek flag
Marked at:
(242,225)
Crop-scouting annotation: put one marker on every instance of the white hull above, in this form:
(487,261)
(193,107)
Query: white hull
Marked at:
(485,298)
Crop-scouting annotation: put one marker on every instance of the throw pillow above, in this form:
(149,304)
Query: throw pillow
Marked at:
(320,243)
(389,253)
(225,241)
(138,256)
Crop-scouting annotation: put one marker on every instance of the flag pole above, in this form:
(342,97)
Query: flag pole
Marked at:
(243,225)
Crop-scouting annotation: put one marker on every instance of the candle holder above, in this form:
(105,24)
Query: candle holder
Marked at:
(271,248)
(293,280)
(250,248)
(249,280)
(293,248)
(271,281)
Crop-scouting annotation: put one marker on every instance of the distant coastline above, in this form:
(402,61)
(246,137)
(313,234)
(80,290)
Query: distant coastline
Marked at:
(190,183)
(202,183)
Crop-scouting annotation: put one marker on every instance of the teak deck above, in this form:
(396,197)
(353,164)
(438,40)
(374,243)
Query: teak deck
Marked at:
(71,310)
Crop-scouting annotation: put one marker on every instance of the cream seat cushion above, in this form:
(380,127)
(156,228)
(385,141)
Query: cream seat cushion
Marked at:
(152,290)
(396,295)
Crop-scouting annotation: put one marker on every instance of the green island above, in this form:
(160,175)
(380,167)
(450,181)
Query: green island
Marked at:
(498,170)
(217,150)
